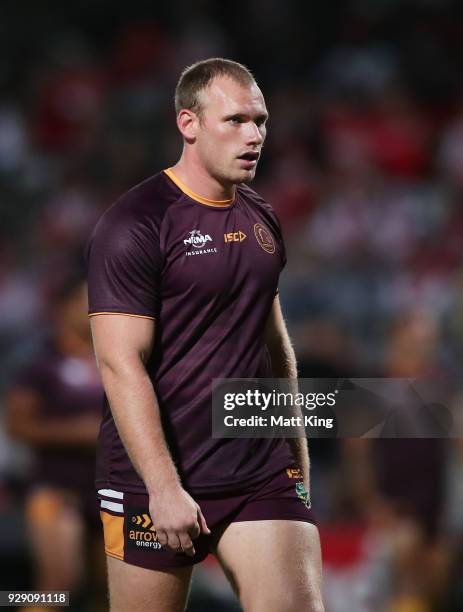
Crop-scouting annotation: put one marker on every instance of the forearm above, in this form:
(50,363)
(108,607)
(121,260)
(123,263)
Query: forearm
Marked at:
(282,356)
(136,413)
(284,365)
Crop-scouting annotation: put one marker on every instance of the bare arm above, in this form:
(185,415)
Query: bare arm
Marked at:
(284,365)
(25,421)
(123,344)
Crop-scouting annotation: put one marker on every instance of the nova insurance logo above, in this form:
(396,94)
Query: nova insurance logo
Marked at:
(198,241)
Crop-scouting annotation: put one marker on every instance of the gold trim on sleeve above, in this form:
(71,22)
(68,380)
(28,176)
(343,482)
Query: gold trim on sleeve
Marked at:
(126,314)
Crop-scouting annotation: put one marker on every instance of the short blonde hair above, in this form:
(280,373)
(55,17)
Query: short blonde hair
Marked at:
(199,76)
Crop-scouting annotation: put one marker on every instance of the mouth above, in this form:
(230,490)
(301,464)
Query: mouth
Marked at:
(249,158)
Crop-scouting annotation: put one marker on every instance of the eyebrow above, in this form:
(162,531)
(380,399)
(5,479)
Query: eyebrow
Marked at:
(262,116)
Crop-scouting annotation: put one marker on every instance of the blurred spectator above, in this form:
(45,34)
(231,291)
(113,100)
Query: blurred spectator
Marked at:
(401,482)
(54,407)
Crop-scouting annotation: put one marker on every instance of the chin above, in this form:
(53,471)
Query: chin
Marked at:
(243,176)
(249,177)
(246,176)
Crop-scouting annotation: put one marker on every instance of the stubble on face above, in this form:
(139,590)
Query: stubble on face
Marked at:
(232,127)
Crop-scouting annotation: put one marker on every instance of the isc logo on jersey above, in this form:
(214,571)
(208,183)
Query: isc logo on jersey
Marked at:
(198,241)
(234,236)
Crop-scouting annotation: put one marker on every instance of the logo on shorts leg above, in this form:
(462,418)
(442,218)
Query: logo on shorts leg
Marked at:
(140,531)
(303,495)
(145,521)
(294,472)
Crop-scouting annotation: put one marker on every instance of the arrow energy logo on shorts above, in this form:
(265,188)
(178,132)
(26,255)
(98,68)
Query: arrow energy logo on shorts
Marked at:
(141,532)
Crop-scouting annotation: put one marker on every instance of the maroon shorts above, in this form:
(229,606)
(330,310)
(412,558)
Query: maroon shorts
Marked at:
(130,535)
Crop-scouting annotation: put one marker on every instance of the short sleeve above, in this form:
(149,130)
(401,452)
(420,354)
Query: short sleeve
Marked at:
(283,251)
(124,263)
(281,241)
(281,244)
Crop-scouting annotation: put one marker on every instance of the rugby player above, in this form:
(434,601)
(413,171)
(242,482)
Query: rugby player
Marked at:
(183,276)
(54,406)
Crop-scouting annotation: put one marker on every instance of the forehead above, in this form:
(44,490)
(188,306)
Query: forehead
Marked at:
(225,96)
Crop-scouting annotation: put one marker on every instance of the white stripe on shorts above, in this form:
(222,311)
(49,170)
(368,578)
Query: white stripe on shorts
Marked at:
(112,506)
(111,493)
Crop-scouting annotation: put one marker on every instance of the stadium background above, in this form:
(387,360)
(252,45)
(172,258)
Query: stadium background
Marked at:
(364,166)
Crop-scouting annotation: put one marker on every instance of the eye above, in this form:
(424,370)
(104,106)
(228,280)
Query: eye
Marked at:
(236,119)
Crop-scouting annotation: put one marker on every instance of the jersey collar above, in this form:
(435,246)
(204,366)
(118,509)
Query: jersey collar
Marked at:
(194,196)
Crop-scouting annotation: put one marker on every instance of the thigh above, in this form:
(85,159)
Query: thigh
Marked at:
(273,565)
(144,590)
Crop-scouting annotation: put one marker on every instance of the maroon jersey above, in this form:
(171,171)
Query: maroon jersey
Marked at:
(207,272)
(68,387)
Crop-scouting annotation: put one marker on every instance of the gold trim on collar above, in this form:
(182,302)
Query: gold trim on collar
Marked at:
(195,196)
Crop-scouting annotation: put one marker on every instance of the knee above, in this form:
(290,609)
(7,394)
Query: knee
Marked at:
(315,605)
(287,602)
(310,602)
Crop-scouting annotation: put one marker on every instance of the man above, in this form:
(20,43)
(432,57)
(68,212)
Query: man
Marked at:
(183,274)
(54,406)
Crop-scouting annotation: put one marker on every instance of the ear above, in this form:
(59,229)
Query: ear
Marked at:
(188,123)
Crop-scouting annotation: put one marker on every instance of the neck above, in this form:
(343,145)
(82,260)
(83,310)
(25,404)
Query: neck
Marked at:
(195,176)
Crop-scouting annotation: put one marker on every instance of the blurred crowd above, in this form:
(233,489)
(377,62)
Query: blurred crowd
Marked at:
(364,166)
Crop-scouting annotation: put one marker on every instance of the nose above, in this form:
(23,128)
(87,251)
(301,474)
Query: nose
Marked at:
(254,134)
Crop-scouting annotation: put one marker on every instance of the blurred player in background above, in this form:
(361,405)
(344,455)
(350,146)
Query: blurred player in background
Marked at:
(55,408)
(401,482)
(183,277)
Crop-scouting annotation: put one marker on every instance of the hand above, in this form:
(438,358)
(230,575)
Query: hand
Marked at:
(177,519)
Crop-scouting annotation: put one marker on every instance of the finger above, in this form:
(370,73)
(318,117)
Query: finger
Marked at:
(187,544)
(173,541)
(162,537)
(202,522)
(194,530)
